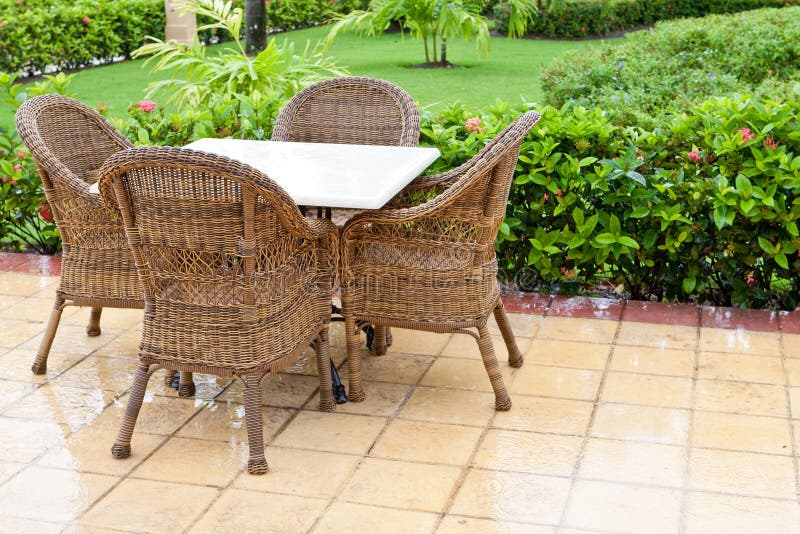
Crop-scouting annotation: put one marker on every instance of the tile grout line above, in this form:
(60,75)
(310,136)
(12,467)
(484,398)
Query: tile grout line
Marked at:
(683,518)
(585,441)
(793,437)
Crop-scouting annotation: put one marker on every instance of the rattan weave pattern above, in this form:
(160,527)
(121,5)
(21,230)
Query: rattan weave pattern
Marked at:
(236,281)
(431,265)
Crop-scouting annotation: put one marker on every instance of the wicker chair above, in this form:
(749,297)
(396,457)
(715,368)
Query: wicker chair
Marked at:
(351,110)
(236,281)
(431,265)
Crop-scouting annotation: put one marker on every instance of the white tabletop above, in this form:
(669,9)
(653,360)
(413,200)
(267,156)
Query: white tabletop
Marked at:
(321,174)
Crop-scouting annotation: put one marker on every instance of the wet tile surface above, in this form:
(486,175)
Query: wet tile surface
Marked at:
(626,417)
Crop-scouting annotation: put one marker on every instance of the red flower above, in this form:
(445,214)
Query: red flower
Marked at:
(771,143)
(694,156)
(44,211)
(147,106)
(86,20)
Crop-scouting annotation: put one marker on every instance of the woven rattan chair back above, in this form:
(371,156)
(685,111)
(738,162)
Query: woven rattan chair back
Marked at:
(354,110)
(69,142)
(236,282)
(429,262)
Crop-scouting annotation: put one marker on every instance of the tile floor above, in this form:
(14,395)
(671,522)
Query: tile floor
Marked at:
(618,425)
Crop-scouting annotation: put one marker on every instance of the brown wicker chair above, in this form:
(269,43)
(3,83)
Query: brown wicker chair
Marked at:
(351,110)
(236,281)
(431,265)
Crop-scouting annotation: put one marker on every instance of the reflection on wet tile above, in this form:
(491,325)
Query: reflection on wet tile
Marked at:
(569,329)
(542,454)
(13,391)
(9,469)
(742,473)
(661,336)
(459,373)
(286,390)
(641,423)
(23,285)
(638,463)
(151,506)
(16,365)
(558,382)
(333,432)
(352,517)
(14,525)
(741,432)
(383,398)
(72,339)
(125,345)
(629,388)
(110,318)
(739,341)
(74,407)
(460,407)
(739,397)
(111,374)
(22,441)
(195,461)
(246,511)
(225,421)
(654,361)
(301,472)
(615,507)
(391,367)
(406,485)
(568,354)
(711,513)
(418,441)
(36,310)
(16,332)
(454,524)
(417,342)
(721,366)
(53,494)
(512,496)
(158,415)
(546,415)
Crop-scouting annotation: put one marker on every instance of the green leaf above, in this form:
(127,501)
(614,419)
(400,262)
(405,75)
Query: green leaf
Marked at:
(576,241)
(613,225)
(577,216)
(746,205)
(689,284)
(766,246)
(586,161)
(606,238)
(143,136)
(743,186)
(791,227)
(781,260)
(720,215)
(639,212)
(636,177)
(628,242)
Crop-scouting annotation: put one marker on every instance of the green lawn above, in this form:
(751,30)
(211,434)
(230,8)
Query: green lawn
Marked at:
(510,73)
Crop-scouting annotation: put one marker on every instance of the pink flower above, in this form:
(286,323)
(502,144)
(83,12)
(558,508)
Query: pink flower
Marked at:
(749,279)
(559,192)
(2,24)
(13,181)
(86,20)
(546,197)
(473,125)
(771,143)
(21,154)
(147,106)
(6,179)
(746,134)
(17,168)
(694,156)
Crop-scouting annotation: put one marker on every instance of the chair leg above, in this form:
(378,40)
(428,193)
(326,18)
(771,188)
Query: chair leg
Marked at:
(186,387)
(40,364)
(515,357)
(379,341)
(122,446)
(257,464)
(93,329)
(356,393)
(389,338)
(326,403)
(502,402)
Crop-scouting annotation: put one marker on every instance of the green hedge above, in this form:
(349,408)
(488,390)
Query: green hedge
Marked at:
(581,18)
(679,64)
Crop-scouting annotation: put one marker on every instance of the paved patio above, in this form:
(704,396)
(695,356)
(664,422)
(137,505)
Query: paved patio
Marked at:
(626,418)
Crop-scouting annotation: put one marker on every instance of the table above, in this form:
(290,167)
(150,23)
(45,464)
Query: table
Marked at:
(327,175)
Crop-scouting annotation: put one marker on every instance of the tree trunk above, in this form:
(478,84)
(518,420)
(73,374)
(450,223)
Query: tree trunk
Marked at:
(435,59)
(255,24)
(444,52)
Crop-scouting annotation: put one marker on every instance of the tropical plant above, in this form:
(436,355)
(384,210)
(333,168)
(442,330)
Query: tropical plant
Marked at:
(277,72)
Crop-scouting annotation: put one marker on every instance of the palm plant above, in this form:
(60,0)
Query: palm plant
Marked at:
(276,73)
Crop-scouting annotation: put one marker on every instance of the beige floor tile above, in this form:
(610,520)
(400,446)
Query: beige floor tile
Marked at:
(541,454)
(75,407)
(540,414)
(16,365)
(792,367)
(111,374)
(352,517)
(641,423)
(225,421)
(638,463)
(454,524)
(740,341)
(111,317)
(791,345)
(722,366)
(24,285)
(36,310)
(571,329)
(301,472)
(459,373)
(417,342)
(461,346)
(22,441)
(660,336)
(391,367)
(418,441)
(7,301)
(796,426)
(568,354)
(558,382)
(654,361)
(9,469)
(711,513)
(458,407)
(284,390)
(383,398)
(794,400)
(743,473)
(89,451)
(740,397)
(517,497)
(246,511)
(16,332)
(653,390)
(152,506)
(406,485)
(615,507)
(741,433)
(522,324)
(79,528)
(125,345)
(158,415)
(207,387)
(14,525)
(195,461)
(333,432)
(72,339)
(52,494)
(11,392)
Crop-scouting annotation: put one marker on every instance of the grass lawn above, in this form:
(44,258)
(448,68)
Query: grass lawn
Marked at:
(511,72)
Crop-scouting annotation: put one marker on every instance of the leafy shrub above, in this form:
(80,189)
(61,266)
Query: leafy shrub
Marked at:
(679,64)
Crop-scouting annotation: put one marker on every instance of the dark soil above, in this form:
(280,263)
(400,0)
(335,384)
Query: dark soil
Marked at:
(433,65)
